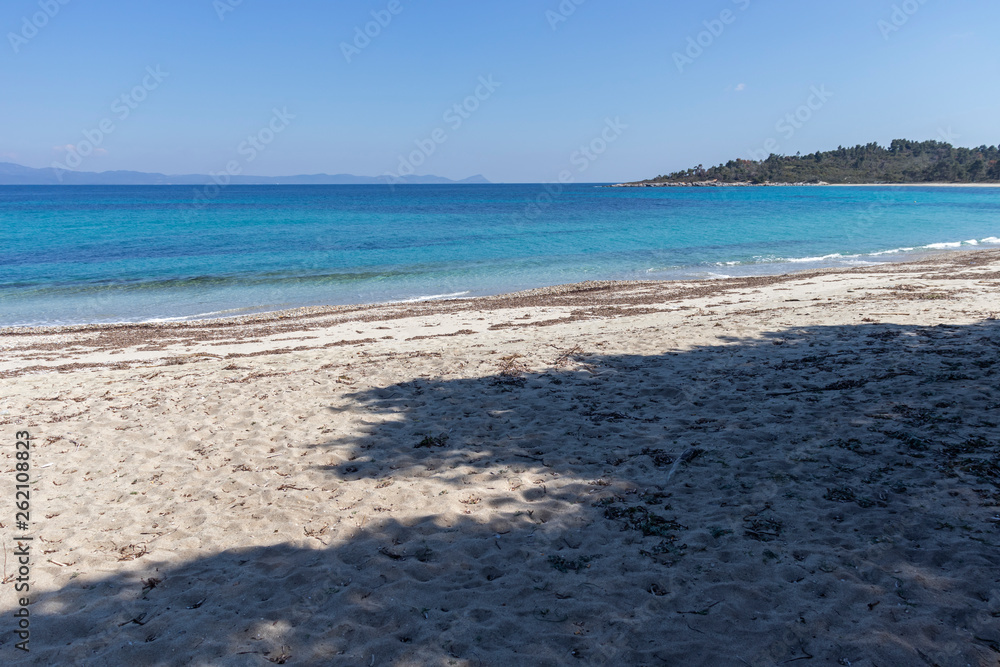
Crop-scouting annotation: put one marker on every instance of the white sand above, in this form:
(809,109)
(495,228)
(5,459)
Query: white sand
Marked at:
(914,185)
(747,471)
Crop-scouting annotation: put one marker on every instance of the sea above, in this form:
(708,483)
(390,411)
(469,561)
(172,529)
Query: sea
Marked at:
(103,254)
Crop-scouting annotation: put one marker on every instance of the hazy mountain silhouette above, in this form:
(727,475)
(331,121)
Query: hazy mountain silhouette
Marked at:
(15,174)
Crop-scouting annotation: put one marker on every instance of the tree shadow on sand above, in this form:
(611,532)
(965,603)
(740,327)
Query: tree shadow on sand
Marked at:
(821,492)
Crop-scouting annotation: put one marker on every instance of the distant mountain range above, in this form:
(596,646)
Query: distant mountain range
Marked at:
(15,174)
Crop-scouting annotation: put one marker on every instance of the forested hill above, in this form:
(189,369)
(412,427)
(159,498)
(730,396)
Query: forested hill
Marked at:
(902,162)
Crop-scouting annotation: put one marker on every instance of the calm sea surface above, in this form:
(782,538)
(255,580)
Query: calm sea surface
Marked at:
(135,253)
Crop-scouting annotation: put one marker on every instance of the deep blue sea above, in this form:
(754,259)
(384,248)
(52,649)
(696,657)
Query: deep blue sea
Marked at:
(135,253)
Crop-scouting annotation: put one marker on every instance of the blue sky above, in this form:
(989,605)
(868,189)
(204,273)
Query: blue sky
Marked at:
(883,70)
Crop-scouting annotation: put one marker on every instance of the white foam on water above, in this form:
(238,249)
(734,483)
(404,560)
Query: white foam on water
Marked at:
(943,246)
(894,251)
(229,312)
(136,320)
(432,297)
(835,255)
(855,259)
(183,318)
(890,252)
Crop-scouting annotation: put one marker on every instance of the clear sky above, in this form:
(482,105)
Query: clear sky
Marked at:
(871,70)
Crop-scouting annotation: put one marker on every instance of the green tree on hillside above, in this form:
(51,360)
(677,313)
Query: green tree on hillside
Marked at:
(904,161)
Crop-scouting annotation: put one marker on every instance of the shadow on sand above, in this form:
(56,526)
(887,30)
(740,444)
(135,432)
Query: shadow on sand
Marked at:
(826,493)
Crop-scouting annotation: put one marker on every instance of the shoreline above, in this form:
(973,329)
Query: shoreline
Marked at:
(904,256)
(745,469)
(747,184)
(611,296)
(914,185)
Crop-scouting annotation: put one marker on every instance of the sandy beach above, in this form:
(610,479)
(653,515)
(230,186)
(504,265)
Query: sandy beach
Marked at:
(914,185)
(749,471)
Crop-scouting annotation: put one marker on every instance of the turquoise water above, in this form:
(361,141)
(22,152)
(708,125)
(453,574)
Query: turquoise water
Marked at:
(135,253)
